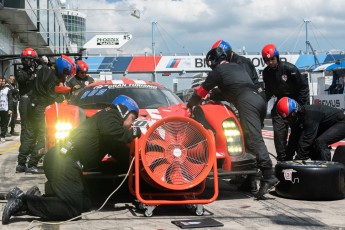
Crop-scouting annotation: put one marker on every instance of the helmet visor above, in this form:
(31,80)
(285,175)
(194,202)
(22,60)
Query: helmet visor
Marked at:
(292,118)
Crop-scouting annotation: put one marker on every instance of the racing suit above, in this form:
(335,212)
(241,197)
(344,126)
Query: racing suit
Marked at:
(238,88)
(82,82)
(43,94)
(250,69)
(66,196)
(285,81)
(321,126)
(26,77)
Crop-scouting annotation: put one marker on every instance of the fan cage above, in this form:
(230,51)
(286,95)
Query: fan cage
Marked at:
(175,153)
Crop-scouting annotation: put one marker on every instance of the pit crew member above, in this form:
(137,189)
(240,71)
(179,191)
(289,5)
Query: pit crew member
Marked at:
(237,88)
(283,79)
(85,147)
(321,126)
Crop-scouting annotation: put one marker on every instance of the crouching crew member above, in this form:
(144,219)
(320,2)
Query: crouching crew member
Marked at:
(86,146)
(320,126)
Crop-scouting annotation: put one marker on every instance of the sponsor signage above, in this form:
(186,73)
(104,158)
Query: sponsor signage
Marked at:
(198,63)
(335,100)
(108,41)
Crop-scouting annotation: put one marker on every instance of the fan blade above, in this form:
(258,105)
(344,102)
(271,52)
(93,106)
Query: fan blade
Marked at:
(160,171)
(159,142)
(152,156)
(176,176)
(192,170)
(197,154)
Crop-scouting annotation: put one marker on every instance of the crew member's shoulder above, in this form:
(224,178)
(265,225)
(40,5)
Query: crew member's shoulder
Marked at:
(287,65)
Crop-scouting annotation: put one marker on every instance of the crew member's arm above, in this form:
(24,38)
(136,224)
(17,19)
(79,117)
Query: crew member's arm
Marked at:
(202,90)
(306,139)
(112,125)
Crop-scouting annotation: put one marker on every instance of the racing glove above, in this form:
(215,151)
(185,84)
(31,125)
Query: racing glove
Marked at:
(136,132)
(301,157)
(194,100)
(76,87)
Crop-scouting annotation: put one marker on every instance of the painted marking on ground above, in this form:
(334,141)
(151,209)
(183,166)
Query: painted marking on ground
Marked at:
(9,148)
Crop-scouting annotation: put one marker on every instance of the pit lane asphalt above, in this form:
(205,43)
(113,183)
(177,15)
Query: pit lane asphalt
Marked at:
(235,209)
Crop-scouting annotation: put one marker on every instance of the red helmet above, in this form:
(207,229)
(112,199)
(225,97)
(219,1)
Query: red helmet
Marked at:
(288,109)
(29,53)
(269,51)
(27,56)
(82,66)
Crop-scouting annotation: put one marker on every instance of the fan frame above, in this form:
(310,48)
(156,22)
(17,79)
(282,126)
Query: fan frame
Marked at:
(211,153)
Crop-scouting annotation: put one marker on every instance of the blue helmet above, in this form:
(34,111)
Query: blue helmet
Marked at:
(64,65)
(127,102)
(222,44)
(289,109)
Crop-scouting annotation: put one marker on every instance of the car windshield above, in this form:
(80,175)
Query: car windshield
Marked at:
(146,96)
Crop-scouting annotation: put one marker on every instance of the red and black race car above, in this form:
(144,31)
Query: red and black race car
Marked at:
(155,102)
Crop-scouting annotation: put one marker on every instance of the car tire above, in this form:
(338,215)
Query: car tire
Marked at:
(310,180)
(339,154)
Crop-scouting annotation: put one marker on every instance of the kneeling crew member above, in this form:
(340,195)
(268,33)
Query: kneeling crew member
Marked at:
(65,196)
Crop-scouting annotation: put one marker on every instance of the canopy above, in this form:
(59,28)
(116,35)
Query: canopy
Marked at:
(330,66)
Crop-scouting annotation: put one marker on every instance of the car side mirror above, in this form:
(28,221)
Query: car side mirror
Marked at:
(62,89)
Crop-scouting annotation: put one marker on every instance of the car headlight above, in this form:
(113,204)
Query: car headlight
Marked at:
(62,129)
(233,137)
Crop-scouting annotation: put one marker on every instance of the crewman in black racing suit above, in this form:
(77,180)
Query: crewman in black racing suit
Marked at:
(81,79)
(283,79)
(26,77)
(249,184)
(241,60)
(85,147)
(43,94)
(237,88)
(321,126)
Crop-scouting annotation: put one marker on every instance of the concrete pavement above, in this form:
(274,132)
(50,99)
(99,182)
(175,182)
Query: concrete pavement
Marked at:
(236,210)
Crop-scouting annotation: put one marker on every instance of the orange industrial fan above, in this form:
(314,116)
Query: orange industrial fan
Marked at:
(174,157)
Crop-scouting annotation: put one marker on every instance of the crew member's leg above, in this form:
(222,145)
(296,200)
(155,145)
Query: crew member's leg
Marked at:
(280,131)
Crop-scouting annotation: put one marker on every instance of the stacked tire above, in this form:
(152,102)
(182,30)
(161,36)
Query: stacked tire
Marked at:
(311,180)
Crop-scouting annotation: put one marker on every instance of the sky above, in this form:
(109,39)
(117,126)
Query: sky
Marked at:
(192,26)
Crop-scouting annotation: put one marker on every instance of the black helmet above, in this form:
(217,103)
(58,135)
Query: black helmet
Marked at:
(215,56)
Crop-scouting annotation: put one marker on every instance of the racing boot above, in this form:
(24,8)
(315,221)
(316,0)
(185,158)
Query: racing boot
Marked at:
(14,205)
(268,182)
(20,168)
(249,184)
(34,191)
(34,170)
(13,193)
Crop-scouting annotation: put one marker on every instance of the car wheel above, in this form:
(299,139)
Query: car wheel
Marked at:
(339,154)
(310,180)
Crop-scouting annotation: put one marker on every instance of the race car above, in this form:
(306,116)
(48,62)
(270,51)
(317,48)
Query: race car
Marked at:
(155,102)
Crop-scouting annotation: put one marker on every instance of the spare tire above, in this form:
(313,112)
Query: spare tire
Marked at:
(310,180)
